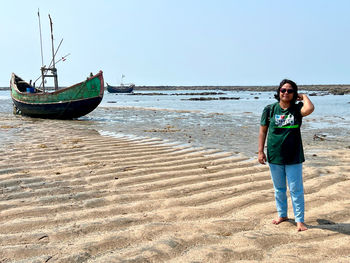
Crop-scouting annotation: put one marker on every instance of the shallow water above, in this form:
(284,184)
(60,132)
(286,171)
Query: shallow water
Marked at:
(329,109)
(230,125)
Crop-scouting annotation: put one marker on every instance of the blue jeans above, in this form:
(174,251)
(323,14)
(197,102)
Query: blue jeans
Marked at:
(293,174)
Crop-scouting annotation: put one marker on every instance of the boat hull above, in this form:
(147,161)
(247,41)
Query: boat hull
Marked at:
(67,103)
(63,110)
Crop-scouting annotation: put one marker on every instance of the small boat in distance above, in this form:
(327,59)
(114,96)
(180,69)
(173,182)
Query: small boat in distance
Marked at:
(65,103)
(123,88)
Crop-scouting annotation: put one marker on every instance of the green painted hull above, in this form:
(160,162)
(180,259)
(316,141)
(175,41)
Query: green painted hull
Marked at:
(72,102)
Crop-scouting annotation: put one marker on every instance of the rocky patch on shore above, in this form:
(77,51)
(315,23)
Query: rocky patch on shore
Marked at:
(336,89)
(211,98)
(179,94)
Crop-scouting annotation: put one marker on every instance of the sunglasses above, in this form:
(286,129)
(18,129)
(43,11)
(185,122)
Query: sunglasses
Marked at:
(289,91)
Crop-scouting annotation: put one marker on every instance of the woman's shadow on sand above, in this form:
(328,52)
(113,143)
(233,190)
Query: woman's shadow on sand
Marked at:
(332,226)
(328,225)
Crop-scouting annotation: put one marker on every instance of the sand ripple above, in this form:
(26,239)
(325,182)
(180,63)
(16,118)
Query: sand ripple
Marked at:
(72,195)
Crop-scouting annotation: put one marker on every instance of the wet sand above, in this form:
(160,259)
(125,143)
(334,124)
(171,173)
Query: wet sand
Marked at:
(69,194)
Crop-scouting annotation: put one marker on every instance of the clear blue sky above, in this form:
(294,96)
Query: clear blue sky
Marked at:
(181,42)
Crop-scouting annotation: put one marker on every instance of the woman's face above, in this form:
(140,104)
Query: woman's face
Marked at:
(286,93)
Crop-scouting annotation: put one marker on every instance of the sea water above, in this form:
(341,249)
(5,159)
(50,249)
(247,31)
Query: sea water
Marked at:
(215,122)
(329,109)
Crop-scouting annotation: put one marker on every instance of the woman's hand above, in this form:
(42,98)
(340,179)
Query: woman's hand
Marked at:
(262,157)
(262,138)
(300,97)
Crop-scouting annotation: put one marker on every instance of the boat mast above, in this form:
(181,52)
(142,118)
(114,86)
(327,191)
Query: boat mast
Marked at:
(53,69)
(121,81)
(42,55)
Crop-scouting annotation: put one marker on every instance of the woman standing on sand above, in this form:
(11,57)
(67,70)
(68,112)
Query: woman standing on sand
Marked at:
(285,155)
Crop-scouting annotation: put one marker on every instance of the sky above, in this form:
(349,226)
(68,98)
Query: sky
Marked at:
(180,42)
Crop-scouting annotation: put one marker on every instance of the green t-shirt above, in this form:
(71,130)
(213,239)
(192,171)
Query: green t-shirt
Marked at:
(284,145)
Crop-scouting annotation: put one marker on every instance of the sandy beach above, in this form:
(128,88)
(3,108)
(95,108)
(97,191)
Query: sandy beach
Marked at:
(72,195)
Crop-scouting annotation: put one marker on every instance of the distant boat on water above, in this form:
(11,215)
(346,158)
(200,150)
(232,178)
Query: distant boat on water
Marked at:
(66,103)
(120,89)
(123,88)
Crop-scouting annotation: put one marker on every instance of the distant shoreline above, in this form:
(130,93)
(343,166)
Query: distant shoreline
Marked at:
(338,89)
(334,88)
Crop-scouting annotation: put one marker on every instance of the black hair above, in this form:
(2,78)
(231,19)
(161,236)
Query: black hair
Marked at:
(294,86)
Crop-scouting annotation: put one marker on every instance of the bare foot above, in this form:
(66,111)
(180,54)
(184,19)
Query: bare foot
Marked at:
(301,226)
(279,220)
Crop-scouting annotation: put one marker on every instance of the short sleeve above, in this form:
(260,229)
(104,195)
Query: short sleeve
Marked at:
(265,116)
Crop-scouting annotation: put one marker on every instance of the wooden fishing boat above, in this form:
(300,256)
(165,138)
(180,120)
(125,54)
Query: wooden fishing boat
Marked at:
(123,88)
(67,103)
(120,89)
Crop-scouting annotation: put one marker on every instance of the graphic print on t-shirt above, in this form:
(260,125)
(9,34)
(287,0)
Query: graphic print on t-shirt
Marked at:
(284,120)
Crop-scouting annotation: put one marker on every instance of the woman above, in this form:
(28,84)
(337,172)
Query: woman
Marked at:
(285,155)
